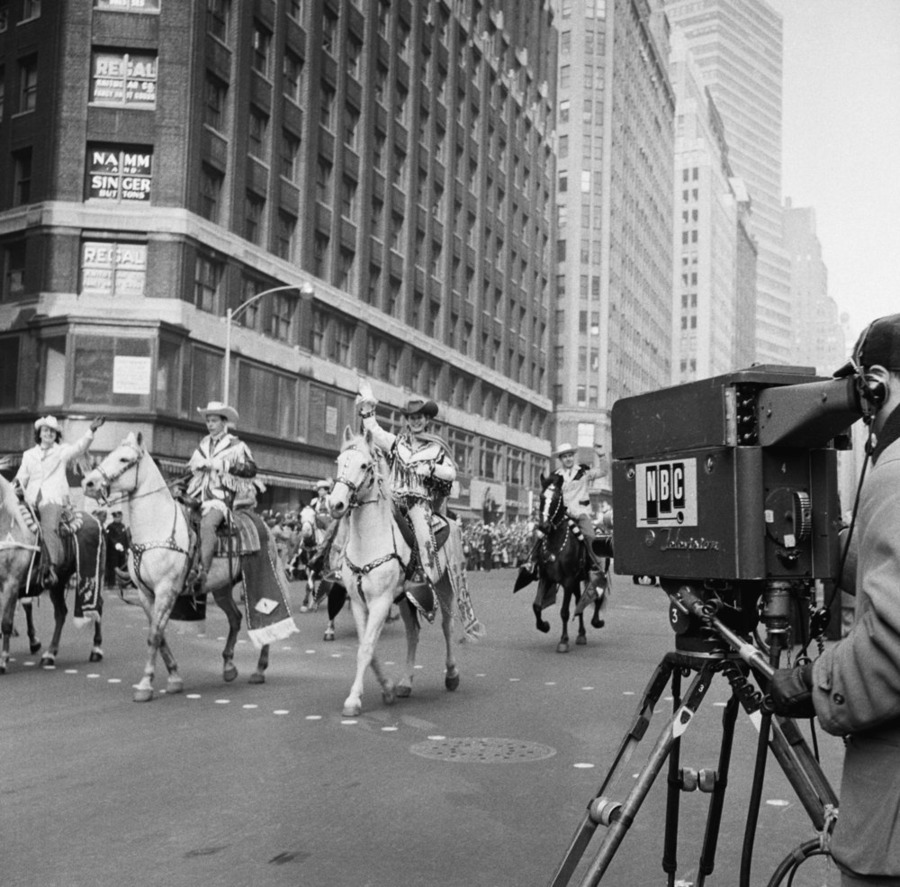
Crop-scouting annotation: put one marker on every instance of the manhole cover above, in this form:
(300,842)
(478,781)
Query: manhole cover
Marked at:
(482,750)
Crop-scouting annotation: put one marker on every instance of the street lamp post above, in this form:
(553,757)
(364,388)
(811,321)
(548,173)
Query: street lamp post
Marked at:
(230,315)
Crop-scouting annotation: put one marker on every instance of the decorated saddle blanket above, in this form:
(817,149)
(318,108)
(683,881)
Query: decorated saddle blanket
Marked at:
(266,596)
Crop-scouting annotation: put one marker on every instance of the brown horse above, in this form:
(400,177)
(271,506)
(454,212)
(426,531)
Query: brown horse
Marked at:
(160,557)
(563,562)
(20,572)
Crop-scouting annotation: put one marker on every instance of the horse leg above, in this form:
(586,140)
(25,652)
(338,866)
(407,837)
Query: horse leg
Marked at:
(97,648)
(369,622)
(259,676)
(60,611)
(412,626)
(540,623)
(563,645)
(329,631)
(33,643)
(8,598)
(157,608)
(224,597)
(447,601)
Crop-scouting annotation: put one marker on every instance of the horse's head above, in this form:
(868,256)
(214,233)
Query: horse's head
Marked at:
(307,524)
(552,506)
(357,471)
(118,471)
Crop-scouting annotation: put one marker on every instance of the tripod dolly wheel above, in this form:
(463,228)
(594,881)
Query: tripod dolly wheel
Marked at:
(602,811)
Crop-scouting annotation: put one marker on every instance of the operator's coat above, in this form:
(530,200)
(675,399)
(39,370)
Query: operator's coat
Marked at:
(856,683)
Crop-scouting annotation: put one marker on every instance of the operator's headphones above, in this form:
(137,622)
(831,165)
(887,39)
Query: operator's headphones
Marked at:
(871,390)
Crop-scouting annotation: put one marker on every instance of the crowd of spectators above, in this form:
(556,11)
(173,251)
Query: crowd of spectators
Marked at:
(502,543)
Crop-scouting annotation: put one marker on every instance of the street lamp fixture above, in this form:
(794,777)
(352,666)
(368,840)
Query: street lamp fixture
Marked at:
(231,314)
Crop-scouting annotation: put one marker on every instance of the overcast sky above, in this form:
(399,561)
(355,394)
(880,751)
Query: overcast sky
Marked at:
(841,143)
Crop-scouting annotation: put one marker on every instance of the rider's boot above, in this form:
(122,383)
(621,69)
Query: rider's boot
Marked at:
(420,593)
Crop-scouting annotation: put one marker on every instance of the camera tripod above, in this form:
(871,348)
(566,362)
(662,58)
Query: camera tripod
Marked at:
(712,650)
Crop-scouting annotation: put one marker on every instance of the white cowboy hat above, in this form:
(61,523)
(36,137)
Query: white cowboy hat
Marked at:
(217,408)
(564,448)
(49,422)
(324,484)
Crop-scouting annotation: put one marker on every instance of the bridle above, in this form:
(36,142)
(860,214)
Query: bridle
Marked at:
(370,480)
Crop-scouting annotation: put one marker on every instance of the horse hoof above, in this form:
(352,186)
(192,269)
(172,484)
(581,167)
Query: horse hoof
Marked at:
(351,710)
(143,694)
(174,686)
(229,673)
(543,627)
(304,608)
(96,655)
(451,681)
(35,647)
(257,678)
(562,647)
(2,668)
(581,640)
(388,695)
(48,661)
(597,622)
(403,691)
(329,635)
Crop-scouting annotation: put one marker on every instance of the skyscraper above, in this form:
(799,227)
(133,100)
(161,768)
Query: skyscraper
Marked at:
(614,200)
(738,46)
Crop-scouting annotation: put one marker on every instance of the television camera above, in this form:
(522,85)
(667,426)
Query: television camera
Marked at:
(725,492)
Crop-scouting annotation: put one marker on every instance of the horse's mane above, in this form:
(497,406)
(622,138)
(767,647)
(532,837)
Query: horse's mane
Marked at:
(10,505)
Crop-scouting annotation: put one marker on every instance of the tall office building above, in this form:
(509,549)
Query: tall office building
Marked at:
(710,206)
(738,46)
(614,196)
(384,166)
(818,335)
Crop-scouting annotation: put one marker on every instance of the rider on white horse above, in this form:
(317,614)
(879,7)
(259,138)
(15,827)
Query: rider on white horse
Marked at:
(422,474)
(42,479)
(223,469)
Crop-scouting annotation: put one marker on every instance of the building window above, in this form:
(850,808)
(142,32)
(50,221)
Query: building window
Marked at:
(285,227)
(323,181)
(254,208)
(293,76)
(258,134)
(353,55)
(262,56)
(114,268)
(289,155)
(345,269)
(281,323)
(31,9)
(214,109)
(119,174)
(330,31)
(210,193)
(207,282)
(12,265)
(348,199)
(326,106)
(101,364)
(218,19)
(295,9)
(321,255)
(9,372)
(28,83)
(351,125)
(21,177)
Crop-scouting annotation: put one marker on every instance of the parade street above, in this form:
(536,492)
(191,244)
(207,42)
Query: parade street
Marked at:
(228,785)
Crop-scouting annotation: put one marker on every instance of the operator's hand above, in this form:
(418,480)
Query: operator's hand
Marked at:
(97,421)
(791,691)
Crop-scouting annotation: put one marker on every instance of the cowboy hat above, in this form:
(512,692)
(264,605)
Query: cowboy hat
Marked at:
(217,408)
(417,406)
(564,448)
(48,422)
(324,484)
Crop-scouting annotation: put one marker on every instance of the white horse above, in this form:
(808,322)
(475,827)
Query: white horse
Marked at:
(160,557)
(376,557)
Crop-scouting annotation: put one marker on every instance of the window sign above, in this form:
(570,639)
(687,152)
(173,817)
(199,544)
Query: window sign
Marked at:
(122,78)
(119,174)
(113,269)
(131,375)
(128,5)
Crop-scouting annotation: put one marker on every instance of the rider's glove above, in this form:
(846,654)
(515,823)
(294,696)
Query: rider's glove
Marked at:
(791,691)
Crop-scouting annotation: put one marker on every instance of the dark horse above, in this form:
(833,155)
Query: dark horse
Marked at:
(21,571)
(562,562)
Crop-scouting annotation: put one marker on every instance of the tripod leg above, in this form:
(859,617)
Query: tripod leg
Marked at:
(620,819)
(594,816)
(717,801)
(673,794)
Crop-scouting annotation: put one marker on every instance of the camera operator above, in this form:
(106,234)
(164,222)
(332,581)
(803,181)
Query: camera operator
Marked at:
(854,686)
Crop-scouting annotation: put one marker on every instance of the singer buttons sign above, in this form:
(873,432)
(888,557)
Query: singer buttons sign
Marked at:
(667,494)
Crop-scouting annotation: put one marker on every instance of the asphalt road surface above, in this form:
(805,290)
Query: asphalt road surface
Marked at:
(236,784)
